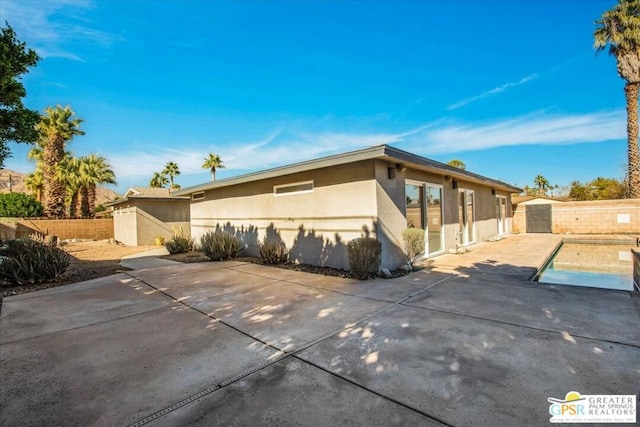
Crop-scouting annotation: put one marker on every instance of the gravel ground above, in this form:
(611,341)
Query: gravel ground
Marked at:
(89,260)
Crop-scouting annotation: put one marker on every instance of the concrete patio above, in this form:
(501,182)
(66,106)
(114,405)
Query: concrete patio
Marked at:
(466,341)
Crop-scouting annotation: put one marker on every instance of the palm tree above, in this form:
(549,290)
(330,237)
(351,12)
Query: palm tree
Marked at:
(213,162)
(35,183)
(159,180)
(56,127)
(171,169)
(543,184)
(619,28)
(35,180)
(69,170)
(94,170)
(457,164)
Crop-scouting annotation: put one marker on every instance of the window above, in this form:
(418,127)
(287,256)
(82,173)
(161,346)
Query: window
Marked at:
(198,196)
(294,188)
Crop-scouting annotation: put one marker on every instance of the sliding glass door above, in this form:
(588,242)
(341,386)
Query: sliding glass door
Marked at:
(466,216)
(424,211)
(501,214)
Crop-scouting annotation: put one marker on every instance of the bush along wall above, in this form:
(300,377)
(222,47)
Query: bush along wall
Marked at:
(19,205)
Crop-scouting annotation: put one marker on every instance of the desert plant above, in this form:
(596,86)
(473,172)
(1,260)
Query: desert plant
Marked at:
(30,262)
(413,239)
(364,257)
(219,245)
(44,239)
(18,205)
(179,242)
(273,252)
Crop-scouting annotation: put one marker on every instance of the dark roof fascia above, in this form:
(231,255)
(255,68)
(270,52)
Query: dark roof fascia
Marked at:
(385,152)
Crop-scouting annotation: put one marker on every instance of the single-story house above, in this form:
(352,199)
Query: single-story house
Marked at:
(143,214)
(316,207)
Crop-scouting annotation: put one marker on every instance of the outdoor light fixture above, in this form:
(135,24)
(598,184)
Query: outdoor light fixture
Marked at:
(493,191)
(454,184)
(392,173)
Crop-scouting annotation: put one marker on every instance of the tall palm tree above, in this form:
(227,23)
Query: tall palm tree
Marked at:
(171,169)
(619,28)
(56,127)
(94,170)
(213,162)
(159,180)
(543,184)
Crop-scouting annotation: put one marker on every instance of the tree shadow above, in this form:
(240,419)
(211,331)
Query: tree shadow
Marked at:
(247,236)
(313,248)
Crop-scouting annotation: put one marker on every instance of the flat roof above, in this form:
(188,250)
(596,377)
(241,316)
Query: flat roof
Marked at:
(378,152)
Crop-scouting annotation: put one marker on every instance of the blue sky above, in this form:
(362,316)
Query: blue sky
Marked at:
(512,88)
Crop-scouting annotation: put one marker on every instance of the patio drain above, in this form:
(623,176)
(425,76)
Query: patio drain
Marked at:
(282,357)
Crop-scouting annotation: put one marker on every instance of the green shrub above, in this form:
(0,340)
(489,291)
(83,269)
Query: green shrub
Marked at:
(413,244)
(219,245)
(19,205)
(179,242)
(364,257)
(273,252)
(29,262)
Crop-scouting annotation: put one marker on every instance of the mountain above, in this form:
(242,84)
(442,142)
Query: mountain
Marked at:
(17,179)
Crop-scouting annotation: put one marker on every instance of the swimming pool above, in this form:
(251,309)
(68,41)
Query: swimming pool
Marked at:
(596,264)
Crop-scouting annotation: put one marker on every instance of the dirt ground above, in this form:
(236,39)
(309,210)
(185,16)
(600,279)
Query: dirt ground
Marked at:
(89,260)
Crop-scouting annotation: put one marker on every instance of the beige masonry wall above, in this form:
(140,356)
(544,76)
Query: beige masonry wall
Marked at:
(597,217)
(90,229)
(520,220)
(589,217)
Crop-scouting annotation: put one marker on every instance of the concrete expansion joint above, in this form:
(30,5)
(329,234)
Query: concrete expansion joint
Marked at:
(372,391)
(126,316)
(561,333)
(284,355)
(209,316)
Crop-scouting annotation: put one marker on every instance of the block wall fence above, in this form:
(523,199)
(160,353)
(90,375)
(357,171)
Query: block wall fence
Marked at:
(588,217)
(89,229)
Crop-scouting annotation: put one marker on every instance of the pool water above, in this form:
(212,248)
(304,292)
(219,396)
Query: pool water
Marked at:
(597,265)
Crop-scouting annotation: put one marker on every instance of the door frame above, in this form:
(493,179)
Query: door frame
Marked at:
(464,234)
(425,217)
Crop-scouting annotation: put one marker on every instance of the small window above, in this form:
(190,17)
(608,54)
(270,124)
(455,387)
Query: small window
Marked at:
(198,196)
(295,188)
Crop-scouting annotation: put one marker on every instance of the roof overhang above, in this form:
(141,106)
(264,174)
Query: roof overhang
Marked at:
(379,152)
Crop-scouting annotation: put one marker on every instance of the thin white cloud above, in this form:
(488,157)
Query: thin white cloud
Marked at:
(490,92)
(283,147)
(539,128)
(35,22)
